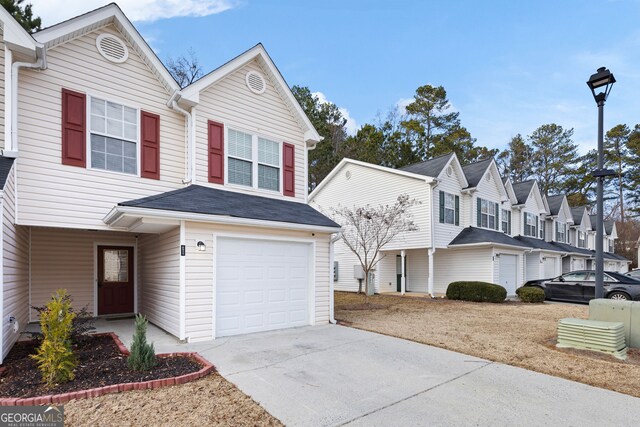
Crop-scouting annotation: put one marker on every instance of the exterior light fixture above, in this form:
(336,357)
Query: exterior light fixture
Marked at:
(201,246)
(600,84)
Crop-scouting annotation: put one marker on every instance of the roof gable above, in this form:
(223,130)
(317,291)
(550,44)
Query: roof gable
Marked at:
(491,177)
(559,205)
(432,167)
(522,190)
(508,186)
(474,172)
(16,37)
(456,168)
(191,93)
(98,18)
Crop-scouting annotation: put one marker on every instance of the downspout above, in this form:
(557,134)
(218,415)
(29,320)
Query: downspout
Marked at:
(337,237)
(173,104)
(432,250)
(40,64)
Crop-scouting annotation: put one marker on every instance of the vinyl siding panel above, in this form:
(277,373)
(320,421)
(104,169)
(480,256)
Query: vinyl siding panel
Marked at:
(445,233)
(417,270)
(368,186)
(66,259)
(49,190)
(230,102)
(15,268)
(159,279)
(2,90)
(200,274)
(386,274)
(453,265)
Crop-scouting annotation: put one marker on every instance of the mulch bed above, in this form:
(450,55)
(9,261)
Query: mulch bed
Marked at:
(100,363)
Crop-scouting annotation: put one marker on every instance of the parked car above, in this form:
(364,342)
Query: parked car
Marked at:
(580,286)
(634,273)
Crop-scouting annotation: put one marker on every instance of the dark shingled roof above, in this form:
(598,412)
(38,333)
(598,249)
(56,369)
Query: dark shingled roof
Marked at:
(532,242)
(608,226)
(577,213)
(522,190)
(594,221)
(474,171)
(5,167)
(572,249)
(431,167)
(472,235)
(213,201)
(555,203)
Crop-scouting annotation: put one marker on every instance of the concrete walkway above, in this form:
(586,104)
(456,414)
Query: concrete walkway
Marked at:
(333,375)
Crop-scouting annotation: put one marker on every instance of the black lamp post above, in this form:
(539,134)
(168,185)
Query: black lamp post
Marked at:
(600,84)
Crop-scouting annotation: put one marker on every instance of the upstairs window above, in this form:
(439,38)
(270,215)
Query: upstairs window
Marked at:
(611,245)
(487,213)
(449,208)
(561,231)
(530,225)
(114,137)
(543,228)
(253,161)
(582,239)
(506,221)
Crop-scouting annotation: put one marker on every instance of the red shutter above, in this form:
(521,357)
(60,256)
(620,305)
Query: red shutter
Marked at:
(288,156)
(74,137)
(150,138)
(216,152)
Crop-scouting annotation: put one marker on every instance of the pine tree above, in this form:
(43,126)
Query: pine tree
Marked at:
(143,355)
(515,160)
(615,151)
(633,171)
(24,15)
(555,157)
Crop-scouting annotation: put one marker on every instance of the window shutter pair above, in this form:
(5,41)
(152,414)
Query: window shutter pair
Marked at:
(535,231)
(479,211)
(509,222)
(74,135)
(216,159)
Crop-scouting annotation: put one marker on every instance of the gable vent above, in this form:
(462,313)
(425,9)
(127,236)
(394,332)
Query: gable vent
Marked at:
(255,82)
(112,48)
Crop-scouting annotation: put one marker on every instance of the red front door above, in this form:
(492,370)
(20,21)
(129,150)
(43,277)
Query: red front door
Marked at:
(115,279)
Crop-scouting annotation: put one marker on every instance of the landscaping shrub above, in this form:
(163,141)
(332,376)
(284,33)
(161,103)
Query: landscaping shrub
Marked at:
(530,294)
(54,357)
(476,291)
(143,356)
(82,325)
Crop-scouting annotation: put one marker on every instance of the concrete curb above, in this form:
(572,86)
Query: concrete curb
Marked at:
(57,399)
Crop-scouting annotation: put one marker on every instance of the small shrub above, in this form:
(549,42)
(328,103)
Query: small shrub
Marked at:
(143,356)
(530,294)
(476,291)
(82,326)
(54,357)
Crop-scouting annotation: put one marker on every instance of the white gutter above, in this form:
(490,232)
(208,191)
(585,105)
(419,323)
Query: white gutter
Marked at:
(173,104)
(40,64)
(119,211)
(337,237)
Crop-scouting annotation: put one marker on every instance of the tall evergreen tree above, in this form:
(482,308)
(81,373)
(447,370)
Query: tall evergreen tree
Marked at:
(615,146)
(633,171)
(555,157)
(24,15)
(580,186)
(515,161)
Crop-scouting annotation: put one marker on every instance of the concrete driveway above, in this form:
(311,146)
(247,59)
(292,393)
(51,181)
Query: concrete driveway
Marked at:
(334,375)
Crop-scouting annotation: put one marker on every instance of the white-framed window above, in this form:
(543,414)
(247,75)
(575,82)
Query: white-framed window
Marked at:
(582,239)
(542,228)
(253,161)
(506,221)
(561,230)
(611,248)
(449,208)
(113,135)
(530,225)
(488,212)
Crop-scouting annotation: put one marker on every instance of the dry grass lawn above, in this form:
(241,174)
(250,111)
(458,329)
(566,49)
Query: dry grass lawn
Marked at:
(211,400)
(513,333)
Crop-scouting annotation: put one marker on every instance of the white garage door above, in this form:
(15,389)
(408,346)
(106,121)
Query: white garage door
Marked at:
(261,285)
(611,266)
(578,264)
(509,273)
(550,268)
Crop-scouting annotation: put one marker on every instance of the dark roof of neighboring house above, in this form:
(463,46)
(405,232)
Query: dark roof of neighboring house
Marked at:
(594,221)
(431,167)
(471,235)
(608,226)
(611,255)
(577,213)
(505,179)
(555,203)
(564,247)
(532,242)
(213,201)
(5,168)
(522,190)
(474,171)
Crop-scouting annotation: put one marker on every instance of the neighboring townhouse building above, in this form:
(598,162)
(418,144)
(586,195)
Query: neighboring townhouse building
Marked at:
(137,196)
(461,214)
(613,261)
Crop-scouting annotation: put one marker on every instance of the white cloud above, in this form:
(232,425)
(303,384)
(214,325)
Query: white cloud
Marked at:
(53,12)
(351,125)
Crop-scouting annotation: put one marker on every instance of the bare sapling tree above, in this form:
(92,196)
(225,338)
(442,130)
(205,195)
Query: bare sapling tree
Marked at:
(186,69)
(367,230)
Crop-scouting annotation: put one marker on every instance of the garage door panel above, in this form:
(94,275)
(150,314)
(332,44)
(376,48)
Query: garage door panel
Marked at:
(508,270)
(270,287)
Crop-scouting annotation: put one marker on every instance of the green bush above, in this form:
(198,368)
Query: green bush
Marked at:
(530,294)
(476,291)
(54,357)
(143,356)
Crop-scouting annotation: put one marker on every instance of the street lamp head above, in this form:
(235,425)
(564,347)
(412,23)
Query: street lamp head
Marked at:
(600,84)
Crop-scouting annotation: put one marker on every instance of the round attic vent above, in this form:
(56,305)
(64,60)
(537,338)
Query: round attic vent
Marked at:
(347,174)
(255,82)
(112,48)
(449,171)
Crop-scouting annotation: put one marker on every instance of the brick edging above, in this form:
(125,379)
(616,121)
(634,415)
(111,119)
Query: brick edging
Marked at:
(57,399)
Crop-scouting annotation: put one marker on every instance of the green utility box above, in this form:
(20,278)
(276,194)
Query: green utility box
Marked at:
(626,312)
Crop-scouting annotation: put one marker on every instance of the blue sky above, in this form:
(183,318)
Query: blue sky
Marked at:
(508,66)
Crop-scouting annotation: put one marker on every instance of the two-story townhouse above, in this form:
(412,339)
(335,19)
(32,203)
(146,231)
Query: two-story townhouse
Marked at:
(137,196)
(613,261)
(459,217)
